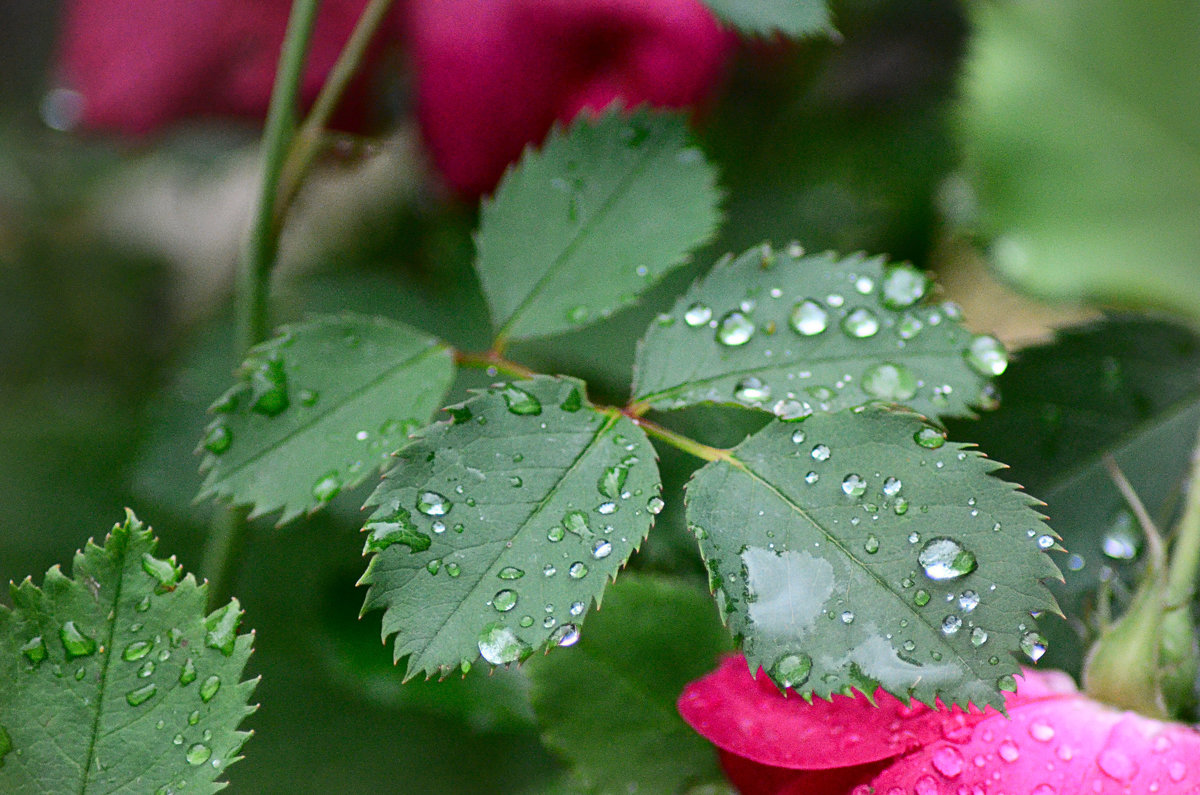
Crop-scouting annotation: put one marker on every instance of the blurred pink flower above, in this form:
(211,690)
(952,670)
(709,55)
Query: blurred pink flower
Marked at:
(139,65)
(494,76)
(1055,741)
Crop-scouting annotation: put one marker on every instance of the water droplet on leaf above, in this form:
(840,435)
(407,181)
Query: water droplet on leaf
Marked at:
(860,323)
(808,318)
(946,559)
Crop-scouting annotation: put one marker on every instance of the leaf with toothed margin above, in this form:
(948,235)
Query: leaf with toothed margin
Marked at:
(494,532)
(114,680)
(318,409)
(796,335)
(765,17)
(614,202)
(861,550)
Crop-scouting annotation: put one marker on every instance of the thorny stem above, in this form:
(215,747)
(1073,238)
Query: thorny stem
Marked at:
(228,533)
(307,142)
(1185,551)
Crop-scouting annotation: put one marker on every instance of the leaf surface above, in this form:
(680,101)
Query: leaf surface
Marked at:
(1109,215)
(870,559)
(116,681)
(318,409)
(796,334)
(493,533)
(614,203)
(1126,386)
(621,683)
(764,17)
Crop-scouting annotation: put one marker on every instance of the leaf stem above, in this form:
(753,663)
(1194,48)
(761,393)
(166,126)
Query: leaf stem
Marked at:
(1185,551)
(228,533)
(494,363)
(679,441)
(305,147)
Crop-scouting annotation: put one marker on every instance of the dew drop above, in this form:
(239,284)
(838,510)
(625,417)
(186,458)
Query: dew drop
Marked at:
(790,410)
(76,642)
(1006,683)
(612,482)
(198,754)
(734,329)
(34,649)
(327,486)
(521,402)
(871,545)
(821,452)
(947,761)
(1034,645)
(921,598)
(217,438)
(566,635)
(979,636)
(848,617)
(751,390)
(792,670)
(504,600)
(1116,765)
(187,674)
(986,355)
(968,601)
(908,326)
(601,549)
(854,485)
(1045,541)
(946,559)
(1122,541)
(453,569)
(903,286)
(268,386)
(1008,749)
(136,650)
(164,572)
(887,381)
(209,688)
(892,486)
(576,608)
(901,506)
(808,318)
(697,315)
(811,478)
(798,436)
(860,323)
(499,645)
(655,506)
(951,624)
(141,695)
(577,570)
(431,503)
(511,573)
(930,438)
(222,628)
(1041,731)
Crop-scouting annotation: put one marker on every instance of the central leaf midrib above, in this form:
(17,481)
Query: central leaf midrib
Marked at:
(611,421)
(786,365)
(582,233)
(319,416)
(832,539)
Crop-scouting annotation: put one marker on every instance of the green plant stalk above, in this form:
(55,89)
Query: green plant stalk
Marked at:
(1185,551)
(257,261)
(493,362)
(307,143)
(679,441)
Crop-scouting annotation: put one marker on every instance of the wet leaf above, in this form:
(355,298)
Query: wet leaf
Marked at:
(861,550)
(115,680)
(614,203)
(494,532)
(796,335)
(1109,215)
(652,637)
(1126,386)
(319,409)
(790,17)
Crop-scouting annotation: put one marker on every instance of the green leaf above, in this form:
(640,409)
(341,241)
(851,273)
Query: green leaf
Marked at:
(115,681)
(619,688)
(796,334)
(764,17)
(495,532)
(318,409)
(877,554)
(1109,215)
(614,203)
(1129,387)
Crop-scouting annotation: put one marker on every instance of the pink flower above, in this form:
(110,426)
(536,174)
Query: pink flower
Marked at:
(139,65)
(494,76)
(1055,741)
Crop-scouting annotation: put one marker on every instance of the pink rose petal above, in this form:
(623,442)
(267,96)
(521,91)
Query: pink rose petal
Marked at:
(493,77)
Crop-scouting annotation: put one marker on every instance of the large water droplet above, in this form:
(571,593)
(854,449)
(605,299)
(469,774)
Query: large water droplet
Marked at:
(577,570)
(860,323)
(395,529)
(76,642)
(198,754)
(821,452)
(968,601)
(576,522)
(504,600)
(979,636)
(986,355)
(327,486)
(499,645)
(612,482)
(903,286)
(655,505)
(565,635)
(697,315)
(601,549)
(141,695)
(1116,765)
(1034,645)
(951,624)
(209,688)
(521,402)
(222,628)
(892,486)
(921,598)
(887,381)
(1122,541)
(136,650)
(808,318)
(431,503)
(792,670)
(34,649)
(752,390)
(871,545)
(929,438)
(946,559)
(948,761)
(187,674)
(734,329)
(268,385)
(854,485)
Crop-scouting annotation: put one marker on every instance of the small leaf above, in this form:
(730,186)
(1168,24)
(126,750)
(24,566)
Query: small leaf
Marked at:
(614,202)
(764,17)
(113,682)
(876,554)
(1108,216)
(319,408)
(1125,386)
(652,637)
(795,334)
(494,533)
